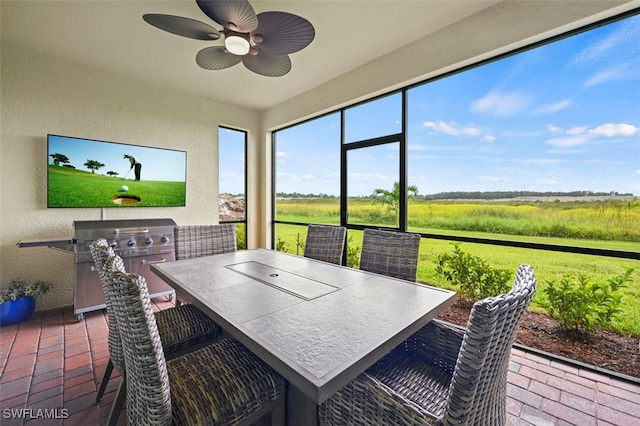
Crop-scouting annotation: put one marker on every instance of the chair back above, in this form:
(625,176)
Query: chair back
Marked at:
(148,392)
(478,390)
(325,243)
(390,253)
(106,261)
(204,240)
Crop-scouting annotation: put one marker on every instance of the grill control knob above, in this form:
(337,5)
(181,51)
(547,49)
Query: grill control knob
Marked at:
(131,242)
(164,239)
(148,241)
(113,244)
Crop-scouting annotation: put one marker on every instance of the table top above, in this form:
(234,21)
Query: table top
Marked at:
(317,324)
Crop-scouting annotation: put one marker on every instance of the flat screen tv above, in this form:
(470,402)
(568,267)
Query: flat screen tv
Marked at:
(93,173)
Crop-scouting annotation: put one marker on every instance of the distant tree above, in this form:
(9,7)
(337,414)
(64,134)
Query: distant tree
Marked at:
(59,158)
(112,173)
(392,198)
(93,165)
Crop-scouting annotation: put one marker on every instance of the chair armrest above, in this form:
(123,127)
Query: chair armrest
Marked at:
(438,343)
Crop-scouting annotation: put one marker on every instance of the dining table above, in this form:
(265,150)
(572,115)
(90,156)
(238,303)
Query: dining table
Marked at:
(317,324)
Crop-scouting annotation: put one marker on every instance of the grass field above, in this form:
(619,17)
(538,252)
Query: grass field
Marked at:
(76,188)
(549,266)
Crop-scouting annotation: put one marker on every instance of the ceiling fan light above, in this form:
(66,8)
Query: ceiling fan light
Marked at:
(237,43)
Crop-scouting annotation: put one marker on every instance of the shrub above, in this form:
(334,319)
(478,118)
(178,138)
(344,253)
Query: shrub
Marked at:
(353,253)
(578,305)
(241,236)
(281,245)
(19,288)
(472,274)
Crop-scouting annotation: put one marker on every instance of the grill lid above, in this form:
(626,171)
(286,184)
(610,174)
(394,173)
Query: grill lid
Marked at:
(93,229)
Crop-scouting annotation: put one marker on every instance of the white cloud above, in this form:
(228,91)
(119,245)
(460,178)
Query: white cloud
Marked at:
(281,157)
(501,104)
(554,129)
(288,177)
(569,142)
(308,178)
(577,130)
(611,129)
(365,177)
(638,172)
(551,108)
(451,128)
(627,33)
(615,73)
(581,135)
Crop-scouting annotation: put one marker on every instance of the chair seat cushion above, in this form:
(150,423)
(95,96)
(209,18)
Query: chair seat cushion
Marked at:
(220,384)
(424,384)
(184,326)
(400,389)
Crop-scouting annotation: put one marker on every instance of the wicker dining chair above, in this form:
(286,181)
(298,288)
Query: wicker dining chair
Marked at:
(182,329)
(390,253)
(204,240)
(193,241)
(220,384)
(443,374)
(325,243)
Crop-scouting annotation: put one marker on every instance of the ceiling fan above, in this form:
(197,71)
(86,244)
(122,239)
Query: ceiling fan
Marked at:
(262,42)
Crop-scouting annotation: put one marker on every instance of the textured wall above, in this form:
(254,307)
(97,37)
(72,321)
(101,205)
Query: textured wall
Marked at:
(43,94)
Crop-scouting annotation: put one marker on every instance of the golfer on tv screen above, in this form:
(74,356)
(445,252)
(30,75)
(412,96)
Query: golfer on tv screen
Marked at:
(134,163)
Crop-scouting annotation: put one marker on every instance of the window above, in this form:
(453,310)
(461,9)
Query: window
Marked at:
(307,171)
(373,119)
(233,180)
(519,143)
(501,146)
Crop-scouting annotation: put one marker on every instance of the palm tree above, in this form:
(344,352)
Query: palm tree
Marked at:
(93,165)
(59,158)
(392,198)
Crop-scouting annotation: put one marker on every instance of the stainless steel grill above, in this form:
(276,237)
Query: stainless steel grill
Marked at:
(140,243)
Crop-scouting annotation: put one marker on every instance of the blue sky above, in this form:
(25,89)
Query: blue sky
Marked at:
(561,117)
(231,161)
(157,164)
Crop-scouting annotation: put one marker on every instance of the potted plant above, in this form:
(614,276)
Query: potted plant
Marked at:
(18,301)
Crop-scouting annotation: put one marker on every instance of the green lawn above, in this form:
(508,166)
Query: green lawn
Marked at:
(76,188)
(548,266)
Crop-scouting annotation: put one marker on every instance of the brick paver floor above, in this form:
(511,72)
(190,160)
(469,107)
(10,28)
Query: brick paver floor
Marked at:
(51,365)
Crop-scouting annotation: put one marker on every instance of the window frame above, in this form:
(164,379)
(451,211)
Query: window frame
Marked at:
(402,137)
(246,197)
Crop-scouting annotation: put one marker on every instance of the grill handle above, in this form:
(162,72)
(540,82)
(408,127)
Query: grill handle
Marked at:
(134,232)
(145,262)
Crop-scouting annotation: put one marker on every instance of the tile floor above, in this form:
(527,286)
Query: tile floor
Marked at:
(50,366)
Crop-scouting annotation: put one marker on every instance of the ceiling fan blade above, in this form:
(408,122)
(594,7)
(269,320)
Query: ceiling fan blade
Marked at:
(283,33)
(181,26)
(268,65)
(216,58)
(236,15)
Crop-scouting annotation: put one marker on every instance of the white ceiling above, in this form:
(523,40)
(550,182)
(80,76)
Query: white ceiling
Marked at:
(112,36)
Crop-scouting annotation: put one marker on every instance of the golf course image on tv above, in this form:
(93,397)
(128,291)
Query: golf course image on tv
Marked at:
(93,173)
